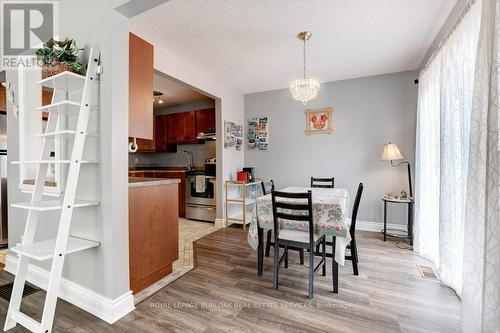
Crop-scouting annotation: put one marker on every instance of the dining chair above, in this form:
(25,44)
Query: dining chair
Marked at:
(296,207)
(352,231)
(268,187)
(323,182)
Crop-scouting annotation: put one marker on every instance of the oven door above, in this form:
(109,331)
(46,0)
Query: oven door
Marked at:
(201,198)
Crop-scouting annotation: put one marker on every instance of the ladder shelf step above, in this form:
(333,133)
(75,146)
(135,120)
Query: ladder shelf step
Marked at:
(26,321)
(65,107)
(53,162)
(48,205)
(44,250)
(66,81)
(67,133)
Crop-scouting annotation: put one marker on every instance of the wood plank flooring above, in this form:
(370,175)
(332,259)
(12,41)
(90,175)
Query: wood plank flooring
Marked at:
(224,294)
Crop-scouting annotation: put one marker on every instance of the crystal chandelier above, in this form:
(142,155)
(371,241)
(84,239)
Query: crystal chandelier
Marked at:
(304,89)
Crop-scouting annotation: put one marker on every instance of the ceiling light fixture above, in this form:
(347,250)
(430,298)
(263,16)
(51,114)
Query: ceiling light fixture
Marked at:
(157,94)
(304,89)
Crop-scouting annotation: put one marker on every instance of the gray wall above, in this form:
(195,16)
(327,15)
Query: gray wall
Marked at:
(368,112)
(105,269)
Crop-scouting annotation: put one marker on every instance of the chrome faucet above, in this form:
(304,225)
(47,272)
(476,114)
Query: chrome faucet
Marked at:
(189,157)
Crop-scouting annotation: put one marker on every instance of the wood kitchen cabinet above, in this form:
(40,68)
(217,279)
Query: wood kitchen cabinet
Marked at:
(3,99)
(46,100)
(153,233)
(159,143)
(205,121)
(140,88)
(182,187)
(181,127)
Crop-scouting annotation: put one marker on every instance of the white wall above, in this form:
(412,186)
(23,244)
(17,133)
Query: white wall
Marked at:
(368,112)
(102,271)
(229,106)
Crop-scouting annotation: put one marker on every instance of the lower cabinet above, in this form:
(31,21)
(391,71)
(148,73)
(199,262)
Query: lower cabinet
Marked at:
(182,187)
(153,233)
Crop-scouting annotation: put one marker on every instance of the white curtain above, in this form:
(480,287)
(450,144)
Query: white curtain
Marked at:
(444,108)
(481,273)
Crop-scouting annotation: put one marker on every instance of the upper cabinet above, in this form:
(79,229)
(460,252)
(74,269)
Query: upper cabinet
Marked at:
(140,88)
(3,99)
(46,99)
(205,121)
(181,128)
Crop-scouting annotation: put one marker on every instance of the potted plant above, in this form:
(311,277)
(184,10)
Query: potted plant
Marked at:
(59,56)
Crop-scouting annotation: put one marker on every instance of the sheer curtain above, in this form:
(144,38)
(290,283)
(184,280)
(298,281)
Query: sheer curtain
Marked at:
(481,274)
(442,150)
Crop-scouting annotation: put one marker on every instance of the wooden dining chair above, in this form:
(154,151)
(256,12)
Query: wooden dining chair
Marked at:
(299,209)
(323,182)
(268,187)
(352,231)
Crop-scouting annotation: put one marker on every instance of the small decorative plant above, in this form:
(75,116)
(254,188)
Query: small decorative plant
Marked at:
(59,56)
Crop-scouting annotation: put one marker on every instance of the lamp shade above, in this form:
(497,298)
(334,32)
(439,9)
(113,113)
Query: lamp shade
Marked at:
(391,152)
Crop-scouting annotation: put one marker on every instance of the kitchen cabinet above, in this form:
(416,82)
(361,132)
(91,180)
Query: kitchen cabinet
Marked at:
(181,128)
(182,187)
(3,99)
(205,121)
(140,88)
(159,143)
(153,233)
(46,100)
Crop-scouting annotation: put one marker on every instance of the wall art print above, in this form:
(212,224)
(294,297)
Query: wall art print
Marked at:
(319,121)
(258,133)
(233,135)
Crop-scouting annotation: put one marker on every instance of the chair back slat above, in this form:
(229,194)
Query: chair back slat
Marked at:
(267,187)
(323,182)
(293,217)
(292,206)
(355,208)
(283,209)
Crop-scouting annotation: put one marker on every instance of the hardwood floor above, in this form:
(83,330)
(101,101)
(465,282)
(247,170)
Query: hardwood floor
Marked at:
(223,293)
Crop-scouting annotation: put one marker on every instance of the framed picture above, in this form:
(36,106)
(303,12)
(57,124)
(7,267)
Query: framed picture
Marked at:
(258,133)
(319,121)
(233,135)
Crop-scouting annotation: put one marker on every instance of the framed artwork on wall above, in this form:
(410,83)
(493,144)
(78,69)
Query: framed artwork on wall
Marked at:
(233,135)
(319,121)
(258,133)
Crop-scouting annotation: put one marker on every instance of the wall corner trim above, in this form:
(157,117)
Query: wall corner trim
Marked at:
(109,310)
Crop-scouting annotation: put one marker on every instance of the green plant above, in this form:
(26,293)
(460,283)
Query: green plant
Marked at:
(56,52)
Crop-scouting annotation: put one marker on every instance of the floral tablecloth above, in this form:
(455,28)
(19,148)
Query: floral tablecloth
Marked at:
(330,212)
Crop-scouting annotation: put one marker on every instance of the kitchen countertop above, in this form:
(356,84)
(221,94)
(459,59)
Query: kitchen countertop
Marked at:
(155,170)
(144,181)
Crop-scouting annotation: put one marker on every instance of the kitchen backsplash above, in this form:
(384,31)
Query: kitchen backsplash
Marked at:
(201,152)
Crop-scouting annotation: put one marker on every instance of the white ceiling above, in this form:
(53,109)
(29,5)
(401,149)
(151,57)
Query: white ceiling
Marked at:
(251,44)
(175,93)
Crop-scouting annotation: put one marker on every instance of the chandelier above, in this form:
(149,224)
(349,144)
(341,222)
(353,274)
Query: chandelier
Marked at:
(304,89)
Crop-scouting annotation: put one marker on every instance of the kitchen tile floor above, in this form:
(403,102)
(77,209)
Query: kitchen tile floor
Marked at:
(189,231)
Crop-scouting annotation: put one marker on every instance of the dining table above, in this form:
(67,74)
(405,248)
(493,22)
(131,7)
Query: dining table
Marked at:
(330,211)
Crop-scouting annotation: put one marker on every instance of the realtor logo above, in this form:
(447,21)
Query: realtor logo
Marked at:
(25,26)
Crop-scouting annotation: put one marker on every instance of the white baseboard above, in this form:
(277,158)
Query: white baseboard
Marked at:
(109,310)
(377,226)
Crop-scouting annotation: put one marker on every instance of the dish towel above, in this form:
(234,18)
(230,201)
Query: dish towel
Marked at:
(201,184)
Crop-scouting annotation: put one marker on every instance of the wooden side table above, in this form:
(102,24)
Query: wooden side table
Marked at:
(399,233)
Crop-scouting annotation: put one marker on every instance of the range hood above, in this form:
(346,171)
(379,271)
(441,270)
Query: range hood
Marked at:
(206,136)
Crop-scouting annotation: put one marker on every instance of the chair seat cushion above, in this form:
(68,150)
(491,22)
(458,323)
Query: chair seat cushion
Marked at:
(296,236)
